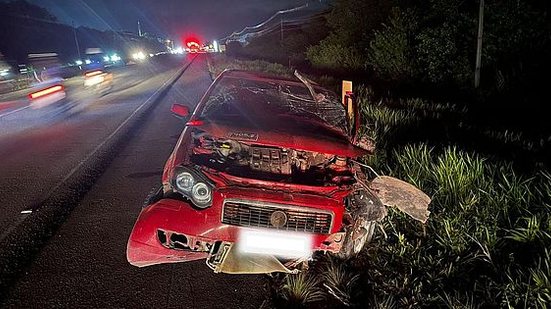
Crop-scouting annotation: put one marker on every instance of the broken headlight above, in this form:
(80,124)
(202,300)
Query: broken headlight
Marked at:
(192,184)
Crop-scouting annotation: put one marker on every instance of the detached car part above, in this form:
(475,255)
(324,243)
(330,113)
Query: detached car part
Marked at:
(397,193)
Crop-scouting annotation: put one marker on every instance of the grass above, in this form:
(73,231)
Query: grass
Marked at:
(219,63)
(487,241)
(301,290)
(338,280)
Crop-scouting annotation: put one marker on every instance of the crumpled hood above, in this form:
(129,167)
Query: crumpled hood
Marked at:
(299,136)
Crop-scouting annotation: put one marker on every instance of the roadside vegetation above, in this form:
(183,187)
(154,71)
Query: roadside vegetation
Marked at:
(481,154)
(220,63)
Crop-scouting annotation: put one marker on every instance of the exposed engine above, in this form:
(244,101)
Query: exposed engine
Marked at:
(270,163)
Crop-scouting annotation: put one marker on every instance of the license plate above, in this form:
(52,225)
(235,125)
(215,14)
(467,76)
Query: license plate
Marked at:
(278,243)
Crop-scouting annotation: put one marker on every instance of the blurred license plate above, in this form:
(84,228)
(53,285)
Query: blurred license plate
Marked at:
(278,243)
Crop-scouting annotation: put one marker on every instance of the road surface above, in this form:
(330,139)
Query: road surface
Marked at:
(76,186)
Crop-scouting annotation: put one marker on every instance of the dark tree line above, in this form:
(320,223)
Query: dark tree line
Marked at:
(435,41)
(428,48)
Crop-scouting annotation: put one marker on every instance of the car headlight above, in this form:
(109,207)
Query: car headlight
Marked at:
(185,181)
(194,185)
(201,193)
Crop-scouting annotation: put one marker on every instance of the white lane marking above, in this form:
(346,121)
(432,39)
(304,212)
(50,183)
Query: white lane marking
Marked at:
(14,111)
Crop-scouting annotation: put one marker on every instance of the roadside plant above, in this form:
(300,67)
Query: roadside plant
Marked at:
(338,280)
(301,289)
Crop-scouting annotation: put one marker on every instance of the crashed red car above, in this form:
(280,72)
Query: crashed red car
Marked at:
(263,175)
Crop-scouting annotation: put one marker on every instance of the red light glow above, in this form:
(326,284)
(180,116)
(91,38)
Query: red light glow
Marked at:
(195,123)
(47,91)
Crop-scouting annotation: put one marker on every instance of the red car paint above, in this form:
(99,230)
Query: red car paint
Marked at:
(179,216)
(176,216)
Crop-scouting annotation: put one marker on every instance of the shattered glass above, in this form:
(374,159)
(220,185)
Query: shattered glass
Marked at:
(247,99)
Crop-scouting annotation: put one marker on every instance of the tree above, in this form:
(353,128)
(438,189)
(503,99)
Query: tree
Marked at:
(352,23)
(391,52)
(26,9)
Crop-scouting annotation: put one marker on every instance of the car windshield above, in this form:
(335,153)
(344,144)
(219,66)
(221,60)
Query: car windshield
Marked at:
(240,100)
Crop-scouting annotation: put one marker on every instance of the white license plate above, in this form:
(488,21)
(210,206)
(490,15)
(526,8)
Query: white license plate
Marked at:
(278,243)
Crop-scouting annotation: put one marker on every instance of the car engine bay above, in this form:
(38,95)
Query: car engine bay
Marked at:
(270,163)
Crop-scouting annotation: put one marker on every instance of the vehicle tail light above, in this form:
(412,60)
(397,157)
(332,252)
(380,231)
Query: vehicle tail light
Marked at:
(195,123)
(46,91)
(93,73)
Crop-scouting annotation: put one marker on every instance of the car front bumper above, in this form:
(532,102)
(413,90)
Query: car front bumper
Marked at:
(200,229)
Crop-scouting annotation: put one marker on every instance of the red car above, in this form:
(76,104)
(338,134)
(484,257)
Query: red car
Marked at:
(262,176)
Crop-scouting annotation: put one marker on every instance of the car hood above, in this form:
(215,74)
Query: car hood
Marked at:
(285,133)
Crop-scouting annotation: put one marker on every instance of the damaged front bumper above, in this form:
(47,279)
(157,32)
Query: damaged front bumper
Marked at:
(171,231)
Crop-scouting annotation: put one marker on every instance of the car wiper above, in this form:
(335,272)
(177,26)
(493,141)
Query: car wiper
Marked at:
(317,97)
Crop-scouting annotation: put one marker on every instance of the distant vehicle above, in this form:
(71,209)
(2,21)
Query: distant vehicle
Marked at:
(6,76)
(5,70)
(139,56)
(49,92)
(98,81)
(263,176)
(193,47)
(49,86)
(46,66)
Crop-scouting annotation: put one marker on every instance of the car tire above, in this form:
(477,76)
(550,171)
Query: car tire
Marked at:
(364,209)
(356,237)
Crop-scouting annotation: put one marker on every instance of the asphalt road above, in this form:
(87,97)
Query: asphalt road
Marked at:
(40,147)
(81,262)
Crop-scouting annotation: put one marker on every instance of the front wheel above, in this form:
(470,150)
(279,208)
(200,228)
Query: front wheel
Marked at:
(364,210)
(356,237)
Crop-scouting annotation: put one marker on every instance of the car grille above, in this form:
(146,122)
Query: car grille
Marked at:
(252,214)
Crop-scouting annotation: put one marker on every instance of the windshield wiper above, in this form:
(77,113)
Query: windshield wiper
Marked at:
(317,97)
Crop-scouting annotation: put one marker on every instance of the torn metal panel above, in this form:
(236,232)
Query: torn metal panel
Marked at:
(233,262)
(397,193)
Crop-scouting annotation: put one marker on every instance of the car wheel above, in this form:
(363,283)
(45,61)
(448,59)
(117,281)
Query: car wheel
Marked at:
(356,237)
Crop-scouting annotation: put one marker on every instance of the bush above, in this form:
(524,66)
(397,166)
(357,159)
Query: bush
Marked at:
(440,58)
(390,52)
(331,53)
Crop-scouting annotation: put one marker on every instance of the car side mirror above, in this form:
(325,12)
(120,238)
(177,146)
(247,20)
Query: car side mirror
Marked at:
(180,111)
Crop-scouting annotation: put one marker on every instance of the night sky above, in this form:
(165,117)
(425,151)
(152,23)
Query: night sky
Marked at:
(209,19)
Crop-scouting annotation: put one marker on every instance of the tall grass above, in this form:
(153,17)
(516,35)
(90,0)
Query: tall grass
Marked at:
(486,241)
(301,290)
(338,280)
